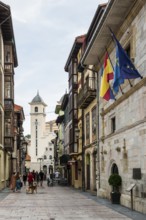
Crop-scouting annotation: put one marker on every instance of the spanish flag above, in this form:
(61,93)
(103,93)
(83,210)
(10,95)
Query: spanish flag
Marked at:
(105,90)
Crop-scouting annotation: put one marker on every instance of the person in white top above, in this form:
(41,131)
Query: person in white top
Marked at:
(57,175)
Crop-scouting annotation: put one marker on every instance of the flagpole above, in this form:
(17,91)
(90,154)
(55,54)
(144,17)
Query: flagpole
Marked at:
(113,68)
(99,62)
(130,83)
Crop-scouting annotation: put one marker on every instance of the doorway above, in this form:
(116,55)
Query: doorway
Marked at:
(114,169)
(88,171)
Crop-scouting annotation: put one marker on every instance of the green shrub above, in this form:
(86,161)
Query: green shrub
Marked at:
(115,180)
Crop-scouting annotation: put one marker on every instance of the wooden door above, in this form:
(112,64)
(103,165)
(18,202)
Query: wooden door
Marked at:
(88,176)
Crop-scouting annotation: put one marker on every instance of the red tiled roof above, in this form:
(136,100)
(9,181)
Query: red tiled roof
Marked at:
(17,108)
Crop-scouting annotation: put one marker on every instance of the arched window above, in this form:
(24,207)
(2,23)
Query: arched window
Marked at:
(36,109)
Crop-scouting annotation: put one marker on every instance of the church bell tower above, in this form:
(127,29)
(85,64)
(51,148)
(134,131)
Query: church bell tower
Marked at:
(37,123)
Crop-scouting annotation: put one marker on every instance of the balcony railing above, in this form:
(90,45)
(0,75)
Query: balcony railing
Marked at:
(9,143)
(87,93)
(8,105)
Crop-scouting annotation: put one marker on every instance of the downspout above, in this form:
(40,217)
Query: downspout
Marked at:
(97,134)
(83,149)
(83,154)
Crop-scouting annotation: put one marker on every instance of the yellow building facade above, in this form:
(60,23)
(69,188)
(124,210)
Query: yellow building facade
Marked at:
(8,59)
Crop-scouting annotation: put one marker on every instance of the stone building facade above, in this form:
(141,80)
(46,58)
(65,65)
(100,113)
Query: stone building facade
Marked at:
(8,61)
(122,123)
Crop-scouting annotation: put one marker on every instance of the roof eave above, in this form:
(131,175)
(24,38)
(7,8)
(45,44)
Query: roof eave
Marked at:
(75,48)
(101,37)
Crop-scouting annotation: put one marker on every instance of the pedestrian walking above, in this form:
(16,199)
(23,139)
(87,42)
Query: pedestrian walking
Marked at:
(13,182)
(41,174)
(57,175)
(37,178)
(51,178)
(18,182)
(24,178)
(30,178)
(34,175)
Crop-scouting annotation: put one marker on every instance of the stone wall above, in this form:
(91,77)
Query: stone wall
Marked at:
(126,147)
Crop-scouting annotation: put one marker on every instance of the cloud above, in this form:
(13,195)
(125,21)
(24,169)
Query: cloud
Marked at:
(45,31)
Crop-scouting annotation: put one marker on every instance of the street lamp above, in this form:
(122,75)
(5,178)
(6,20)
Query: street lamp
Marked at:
(23,148)
(24,144)
(40,159)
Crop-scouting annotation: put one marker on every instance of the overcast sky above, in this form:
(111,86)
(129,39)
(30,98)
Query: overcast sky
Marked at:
(44,34)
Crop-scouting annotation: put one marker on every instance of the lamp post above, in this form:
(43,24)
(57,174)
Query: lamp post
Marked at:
(40,159)
(24,144)
(52,164)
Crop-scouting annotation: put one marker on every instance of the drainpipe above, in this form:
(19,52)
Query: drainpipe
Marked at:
(83,154)
(97,134)
(83,149)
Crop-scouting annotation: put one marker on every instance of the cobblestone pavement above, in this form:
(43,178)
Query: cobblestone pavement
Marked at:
(54,203)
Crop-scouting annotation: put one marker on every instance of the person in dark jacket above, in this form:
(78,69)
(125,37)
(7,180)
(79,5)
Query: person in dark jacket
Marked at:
(37,178)
(24,178)
(41,174)
(18,182)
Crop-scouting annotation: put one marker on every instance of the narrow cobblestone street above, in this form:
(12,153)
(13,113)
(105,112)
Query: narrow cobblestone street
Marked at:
(54,203)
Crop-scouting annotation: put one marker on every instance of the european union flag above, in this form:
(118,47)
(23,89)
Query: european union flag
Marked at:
(118,80)
(124,68)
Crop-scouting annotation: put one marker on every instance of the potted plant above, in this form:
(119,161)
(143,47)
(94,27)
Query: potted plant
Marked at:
(115,181)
